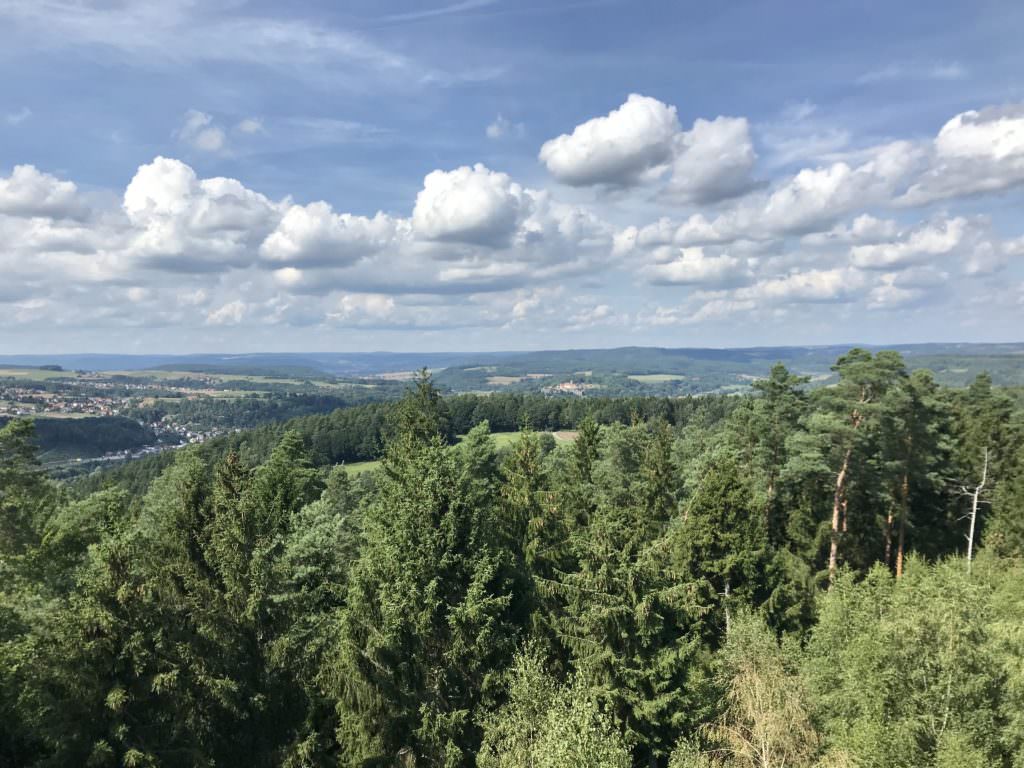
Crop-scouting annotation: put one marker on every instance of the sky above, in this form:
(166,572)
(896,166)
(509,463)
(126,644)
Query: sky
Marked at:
(451,175)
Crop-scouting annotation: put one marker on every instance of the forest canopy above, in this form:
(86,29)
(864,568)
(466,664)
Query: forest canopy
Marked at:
(798,577)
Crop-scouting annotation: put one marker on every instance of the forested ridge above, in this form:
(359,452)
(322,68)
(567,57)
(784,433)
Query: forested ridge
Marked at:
(358,433)
(800,578)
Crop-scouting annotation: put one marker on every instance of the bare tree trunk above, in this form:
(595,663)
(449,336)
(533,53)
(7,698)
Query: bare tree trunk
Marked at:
(887,538)
(904,511)
(838,516)
(725,604)
(975,497)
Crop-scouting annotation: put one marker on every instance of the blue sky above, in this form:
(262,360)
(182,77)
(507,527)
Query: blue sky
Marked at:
(184,176)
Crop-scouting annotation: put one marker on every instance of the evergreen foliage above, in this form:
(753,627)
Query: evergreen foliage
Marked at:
(773,580)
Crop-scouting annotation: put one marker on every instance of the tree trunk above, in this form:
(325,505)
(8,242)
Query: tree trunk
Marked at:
(887,538)
(975,498)
(904,511)
(838,516)
(728,617)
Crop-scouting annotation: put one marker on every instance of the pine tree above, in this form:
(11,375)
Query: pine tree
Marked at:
(721,543)
(840,444)
(626,619)
(429,612)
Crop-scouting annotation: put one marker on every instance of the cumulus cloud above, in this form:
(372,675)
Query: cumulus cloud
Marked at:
(477,248)
(600,314)
(908,288)
(692,266)
(642,141)
(370,305)
(810,201)
(185,223)
(629,145)
(815,198)
(863,229)
(468,205)
(315,235)
(199,132)
(30,192)
(713,161)
(812,286)
(975,152)
(922,243)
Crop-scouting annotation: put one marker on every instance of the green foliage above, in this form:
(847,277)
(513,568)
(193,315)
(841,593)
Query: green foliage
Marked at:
(649,595)
(430,610)
(547,725)
(897,666)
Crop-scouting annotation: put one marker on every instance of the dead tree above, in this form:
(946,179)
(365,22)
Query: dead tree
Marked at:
(974,493)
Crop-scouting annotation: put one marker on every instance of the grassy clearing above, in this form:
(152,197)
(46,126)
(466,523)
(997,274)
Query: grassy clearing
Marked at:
(505,439)
(359,467)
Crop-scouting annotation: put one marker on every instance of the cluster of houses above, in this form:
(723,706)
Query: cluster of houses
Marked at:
(577,388)
(19,401)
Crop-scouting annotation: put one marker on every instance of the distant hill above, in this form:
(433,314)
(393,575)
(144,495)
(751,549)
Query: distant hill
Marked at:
(664,371)
(650,370)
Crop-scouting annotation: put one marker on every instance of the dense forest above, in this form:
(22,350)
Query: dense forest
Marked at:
(358,433)
(806,578)
(90,436)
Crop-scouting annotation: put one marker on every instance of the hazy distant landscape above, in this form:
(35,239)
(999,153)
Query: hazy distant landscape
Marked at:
(92,410)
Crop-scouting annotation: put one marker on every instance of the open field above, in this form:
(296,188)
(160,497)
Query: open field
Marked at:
(505,439)
(33,374)
(360,467)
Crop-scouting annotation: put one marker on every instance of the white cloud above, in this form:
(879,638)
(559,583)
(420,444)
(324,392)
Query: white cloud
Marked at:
(231,313)
(468,205)
(810,201)
(30,192)
(934,239)
(185,223)
(372,305)
(250,125)
(865,228)
(714,161)
(501,127)
(890,296)
(815,198)
(979,151)
(906,289)
(314,235)
(642,141)
(631,144)
(691,266)
(477,248)
(288,277)
(601,314)
(812,286)
(199,132)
